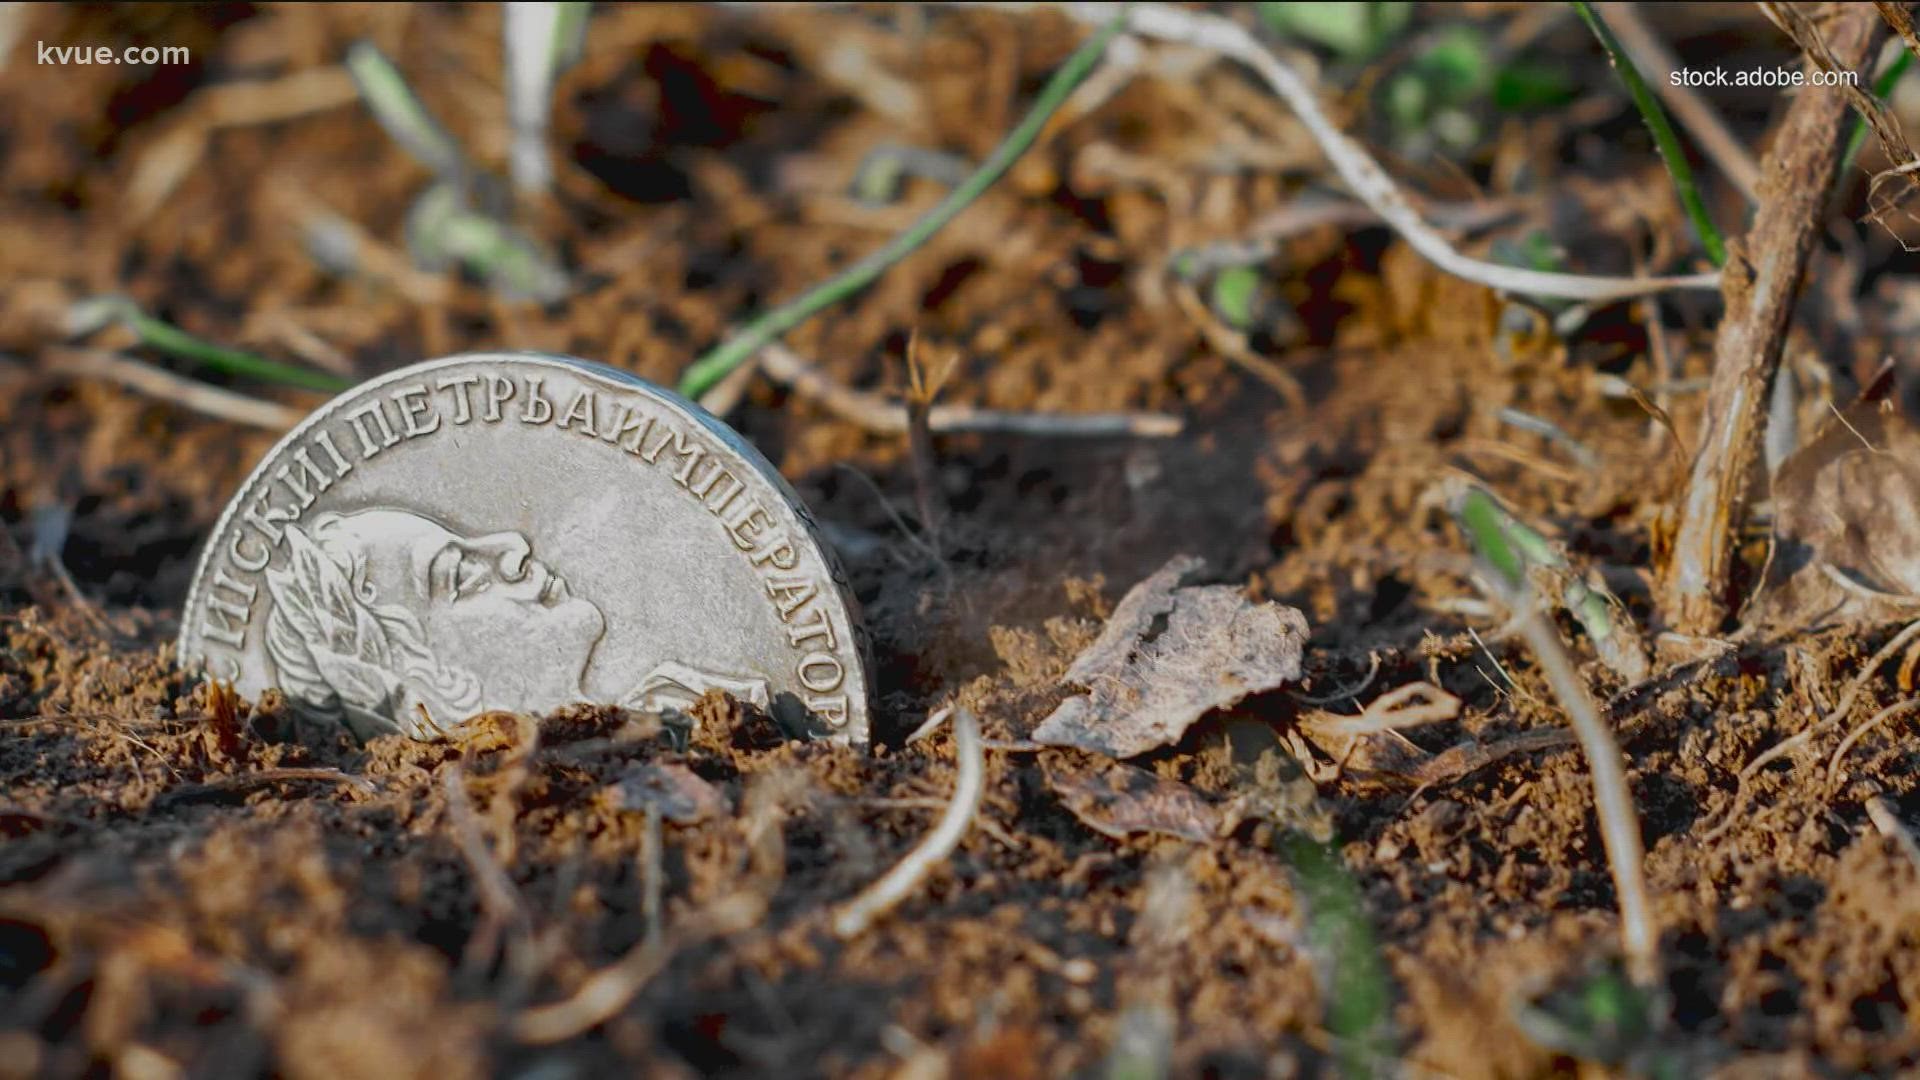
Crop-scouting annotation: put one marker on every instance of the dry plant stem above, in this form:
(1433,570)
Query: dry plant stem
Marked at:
(1613,800)
(1893,141)
(1902,23)
(163,385)
(920,453)
(880,897)
(1761,280)
(1364,176)
(1695,113)
(884,417)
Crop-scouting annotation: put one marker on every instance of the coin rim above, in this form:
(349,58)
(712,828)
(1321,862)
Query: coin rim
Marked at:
(858,730)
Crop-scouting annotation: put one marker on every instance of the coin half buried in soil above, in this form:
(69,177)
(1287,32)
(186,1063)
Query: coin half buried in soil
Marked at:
(521,531)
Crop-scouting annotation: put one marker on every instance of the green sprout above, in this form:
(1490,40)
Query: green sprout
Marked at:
(1235,296)
(90,315)
(1507,549)
(1356,31)
(402,114)
(442,229)
(1606,1019)
(717,362)
(1359,996)
(1663,136)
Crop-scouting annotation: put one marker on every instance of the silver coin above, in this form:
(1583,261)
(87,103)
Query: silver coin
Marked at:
(522,531)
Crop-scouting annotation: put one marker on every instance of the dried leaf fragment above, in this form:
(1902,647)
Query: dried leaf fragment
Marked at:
(1119,801)
(1168,656)
(1846,543)
(674,791)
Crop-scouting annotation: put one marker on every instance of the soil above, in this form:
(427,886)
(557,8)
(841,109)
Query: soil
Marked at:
(186,890)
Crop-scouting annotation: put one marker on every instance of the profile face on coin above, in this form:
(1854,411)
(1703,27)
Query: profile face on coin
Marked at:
(521,531)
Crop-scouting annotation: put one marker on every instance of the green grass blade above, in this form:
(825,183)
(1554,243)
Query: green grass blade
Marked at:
(175,342)
(731,353)
(1663,136)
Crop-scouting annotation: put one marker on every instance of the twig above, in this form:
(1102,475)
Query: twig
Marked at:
(884,417)
(178,390)
(1759,289)
(1696,113)
(230,786)
(1357,168)
(930,725)
(922,390)
(1391,711)
(1898,708)
(880,897)
(1663,136)
(1505,571)
(169,159)
(1457,761)
(1743,790)
(1882,87)
(768,327)
(1893,141)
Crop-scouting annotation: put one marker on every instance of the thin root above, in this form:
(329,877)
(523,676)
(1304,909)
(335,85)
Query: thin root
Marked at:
(893,887)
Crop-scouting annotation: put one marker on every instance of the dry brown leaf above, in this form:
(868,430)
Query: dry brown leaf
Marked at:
(1170,655)
(1120,800)
(1846,535)
(672,790)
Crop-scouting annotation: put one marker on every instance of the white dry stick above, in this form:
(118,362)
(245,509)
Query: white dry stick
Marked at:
(174,389)
(880,897)
(932,724)
(1364,176)
(885,417)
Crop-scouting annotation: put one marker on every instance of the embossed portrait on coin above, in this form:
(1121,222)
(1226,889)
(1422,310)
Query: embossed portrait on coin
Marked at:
(384,620)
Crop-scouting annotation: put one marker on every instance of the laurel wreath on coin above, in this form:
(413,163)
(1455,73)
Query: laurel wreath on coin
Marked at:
(345,658)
